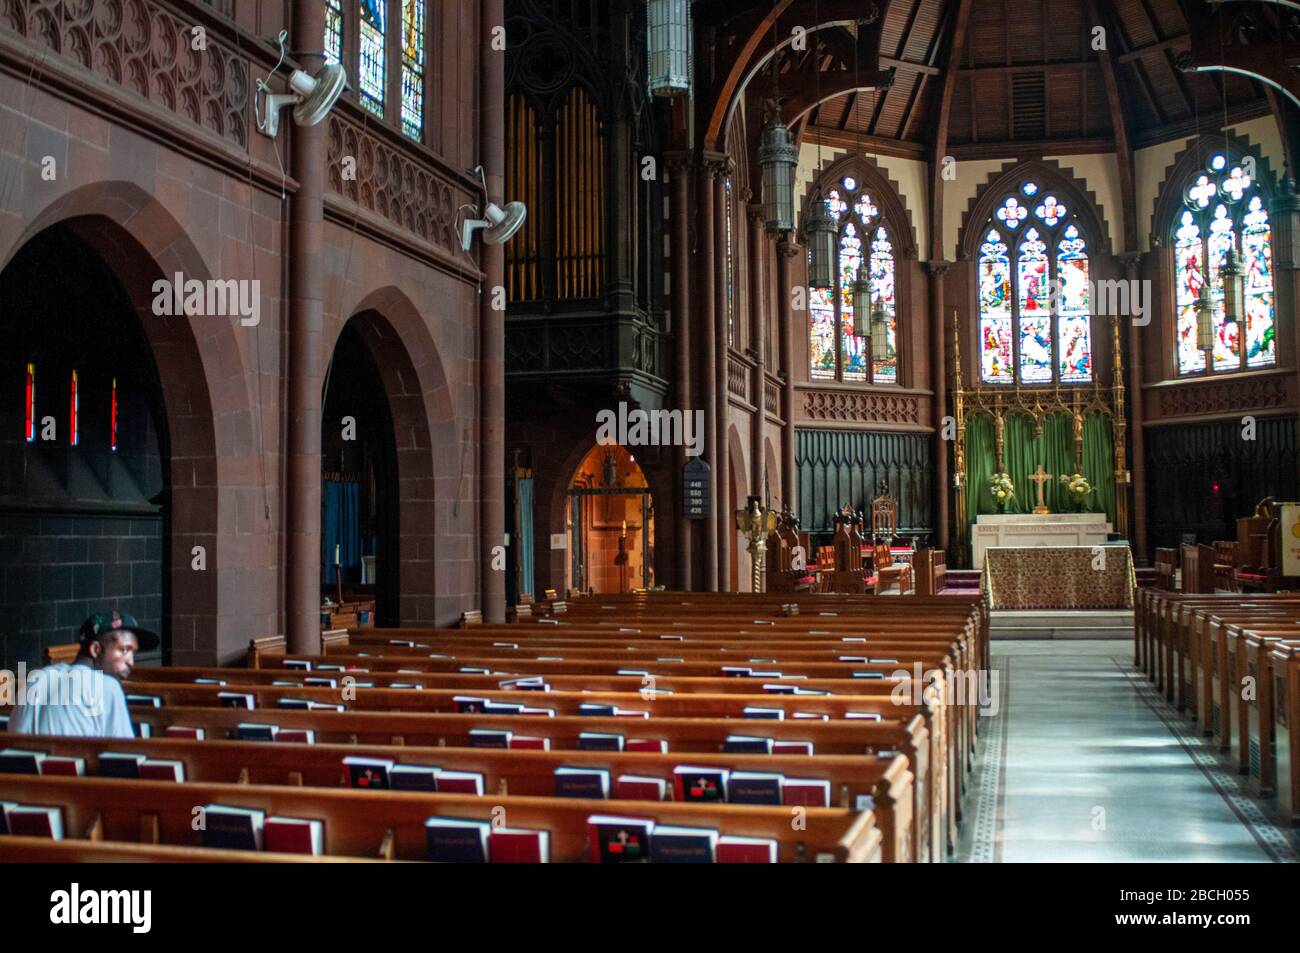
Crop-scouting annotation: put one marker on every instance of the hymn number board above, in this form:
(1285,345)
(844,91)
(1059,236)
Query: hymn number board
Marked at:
(695,492)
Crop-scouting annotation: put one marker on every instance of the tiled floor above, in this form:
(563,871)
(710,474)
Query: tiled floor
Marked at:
(1084,762)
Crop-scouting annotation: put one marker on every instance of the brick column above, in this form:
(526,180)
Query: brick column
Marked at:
(679,171)
(705,328)
(719,171)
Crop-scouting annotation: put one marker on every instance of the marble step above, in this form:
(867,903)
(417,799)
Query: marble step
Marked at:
(1061,624)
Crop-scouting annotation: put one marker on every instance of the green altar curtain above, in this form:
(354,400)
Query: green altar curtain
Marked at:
(1023,452)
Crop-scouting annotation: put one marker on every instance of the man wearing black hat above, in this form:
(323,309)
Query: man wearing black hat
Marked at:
(86,697)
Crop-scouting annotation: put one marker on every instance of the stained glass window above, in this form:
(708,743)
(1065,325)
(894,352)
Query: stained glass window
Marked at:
(29,405)
(74,411)
(1224,213)
(834,351)
(995,310)
(333,31)
(413,68)
(371,68)
(882,286)
(1042,332)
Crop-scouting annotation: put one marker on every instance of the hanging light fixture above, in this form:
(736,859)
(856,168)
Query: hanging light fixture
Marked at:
(668,46)
(777,157)
(1204,320)
(820,228)
(1233,275)
(879,330)
(861,297)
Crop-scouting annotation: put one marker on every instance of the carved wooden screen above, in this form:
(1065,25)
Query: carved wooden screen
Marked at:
(579,199)
(523,181)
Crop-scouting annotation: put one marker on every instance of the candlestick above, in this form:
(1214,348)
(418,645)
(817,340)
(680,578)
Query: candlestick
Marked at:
(336,555)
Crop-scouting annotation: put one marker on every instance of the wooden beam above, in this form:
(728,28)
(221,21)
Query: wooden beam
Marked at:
(1029,148)
(876,145)
(1119,124)
(1182,39)
(960,17)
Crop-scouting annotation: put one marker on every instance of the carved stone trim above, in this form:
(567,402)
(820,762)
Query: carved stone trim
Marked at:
(861,407)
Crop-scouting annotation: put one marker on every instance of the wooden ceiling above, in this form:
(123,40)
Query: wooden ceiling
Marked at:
(1027,78)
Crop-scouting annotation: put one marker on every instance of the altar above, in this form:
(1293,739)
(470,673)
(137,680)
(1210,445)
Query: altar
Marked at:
(1033,529)
(1059,577)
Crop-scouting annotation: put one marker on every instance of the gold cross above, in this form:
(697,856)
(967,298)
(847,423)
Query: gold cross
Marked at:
(1040,476)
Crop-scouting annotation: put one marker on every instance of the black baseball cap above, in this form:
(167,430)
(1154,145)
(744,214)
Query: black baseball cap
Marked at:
(102,622)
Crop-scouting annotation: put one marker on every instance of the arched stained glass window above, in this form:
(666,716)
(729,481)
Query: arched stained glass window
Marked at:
(1223,213)
(374,19)
(834,351)
(1039,331)
(413,68)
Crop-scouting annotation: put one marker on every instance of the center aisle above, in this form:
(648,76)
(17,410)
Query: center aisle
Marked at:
(1084,762)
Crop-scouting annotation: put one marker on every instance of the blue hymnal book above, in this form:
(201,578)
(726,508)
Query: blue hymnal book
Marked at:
(489,738)
(18,761)
(143,701)
(581,782)
(745,744)
(753,711)
(451,840)
(682,845)
(588,708)
(467,705)
(302,703)
(254,732)
(754,787)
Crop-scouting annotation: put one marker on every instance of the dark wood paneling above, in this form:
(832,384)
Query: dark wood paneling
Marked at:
(838,466)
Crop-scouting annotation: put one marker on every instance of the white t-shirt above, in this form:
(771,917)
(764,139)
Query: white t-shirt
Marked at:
(75,700)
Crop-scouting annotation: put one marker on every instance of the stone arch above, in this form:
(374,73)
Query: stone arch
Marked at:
(207,420)
(738,489)
(423,417)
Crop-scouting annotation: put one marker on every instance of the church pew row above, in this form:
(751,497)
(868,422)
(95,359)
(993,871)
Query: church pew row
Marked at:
(690,736)
(1226,661)
(690,697)
(909,736)
(882,785)
(42,850)
(390,824)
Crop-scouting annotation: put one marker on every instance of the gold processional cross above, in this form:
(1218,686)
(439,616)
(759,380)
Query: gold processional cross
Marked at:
(1040,476)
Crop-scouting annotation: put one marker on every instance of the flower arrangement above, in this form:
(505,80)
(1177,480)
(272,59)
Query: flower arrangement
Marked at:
(1002,488)
(1077,487)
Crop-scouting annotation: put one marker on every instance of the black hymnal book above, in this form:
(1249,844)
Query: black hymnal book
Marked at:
(581,782)
(502,708)
(454,840)
(466,704)
(619,840)
(143,701)
(18,761)
(302,703)
(116,765)
(233,828)
(368,772)
(413,777)
(754,711)
(754,787)
(300,664)
(747,744)
(682,845)
(249,731)
(319,681)
(236,700)
(597,710)
(599,741)
(698,784)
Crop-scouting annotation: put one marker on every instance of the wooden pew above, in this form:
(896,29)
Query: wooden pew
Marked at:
(1285,660)
(391,824)
(1198,568)
(885,783)
(42,850)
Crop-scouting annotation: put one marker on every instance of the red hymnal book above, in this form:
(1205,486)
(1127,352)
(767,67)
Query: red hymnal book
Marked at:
(460,782)
(299,735)
(509,846)
(632,788)
(185,731)
(529,742)
(70,767)
(806,792)
(162,771)
(293,835)
(28,820)
(655,745)
(792,747)
(745,850)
